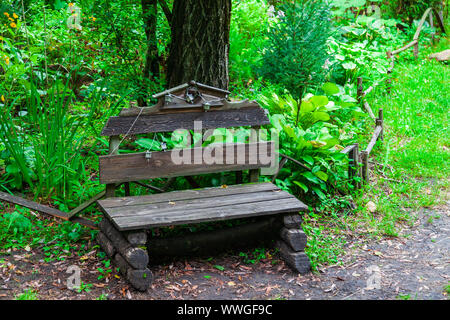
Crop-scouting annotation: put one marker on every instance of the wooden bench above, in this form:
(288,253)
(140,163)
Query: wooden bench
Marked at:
(123,234)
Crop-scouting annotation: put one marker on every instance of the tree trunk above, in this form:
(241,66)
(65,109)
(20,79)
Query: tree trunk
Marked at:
(151,68)
(200,42)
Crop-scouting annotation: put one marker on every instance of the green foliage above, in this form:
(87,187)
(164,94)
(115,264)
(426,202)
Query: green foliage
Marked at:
(359,49)
(255,256)
(43,145)
(23,229)
(250,21)
(17,222)
(315,140)
(447,289)
(296,48)
(84,287)
(28,294)
(362,37)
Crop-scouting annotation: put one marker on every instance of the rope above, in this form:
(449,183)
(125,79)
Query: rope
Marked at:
(128,132)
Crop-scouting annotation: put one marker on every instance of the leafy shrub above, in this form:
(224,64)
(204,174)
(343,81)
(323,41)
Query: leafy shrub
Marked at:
(315,140)
(250,21)
(296,48)
(42,147)
(361,39)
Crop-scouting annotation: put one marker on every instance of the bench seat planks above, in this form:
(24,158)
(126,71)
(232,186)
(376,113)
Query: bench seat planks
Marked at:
(201,205)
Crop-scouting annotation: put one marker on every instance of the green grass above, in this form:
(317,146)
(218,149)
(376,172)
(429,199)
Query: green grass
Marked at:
(414,158)
(21,229)
(411,165)
(27,295)
(447,289)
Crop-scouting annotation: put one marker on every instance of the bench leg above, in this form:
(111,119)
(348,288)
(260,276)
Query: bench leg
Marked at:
(292,244)
(128,252)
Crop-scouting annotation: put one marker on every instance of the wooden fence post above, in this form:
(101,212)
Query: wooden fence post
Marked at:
(416,49)
(365,165)
(353,168)
(379,122)
(114,142)
(433,40)
(254,136)
(359,89)
(389,71)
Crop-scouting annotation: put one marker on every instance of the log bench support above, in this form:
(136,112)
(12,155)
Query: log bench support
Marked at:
(124,238)
(128,252)
(128,249)
(292,244)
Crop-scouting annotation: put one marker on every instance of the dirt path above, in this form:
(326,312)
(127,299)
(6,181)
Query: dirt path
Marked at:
(416,267)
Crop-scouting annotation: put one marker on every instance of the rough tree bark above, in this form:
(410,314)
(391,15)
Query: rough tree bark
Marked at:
(200,42)
(151,68)
(149,11)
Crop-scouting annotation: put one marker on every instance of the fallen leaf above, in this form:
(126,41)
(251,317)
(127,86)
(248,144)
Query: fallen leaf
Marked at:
(378,253)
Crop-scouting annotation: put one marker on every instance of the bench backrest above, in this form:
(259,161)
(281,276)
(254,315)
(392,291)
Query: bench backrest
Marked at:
(116,168)
(186,162)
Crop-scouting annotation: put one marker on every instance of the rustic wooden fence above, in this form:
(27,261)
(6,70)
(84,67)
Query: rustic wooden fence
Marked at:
(429,13)
(359,160)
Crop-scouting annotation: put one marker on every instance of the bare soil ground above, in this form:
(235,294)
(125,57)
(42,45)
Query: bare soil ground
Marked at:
(412,267)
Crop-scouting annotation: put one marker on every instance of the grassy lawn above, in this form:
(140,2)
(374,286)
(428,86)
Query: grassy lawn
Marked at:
(412,165)
(409,170)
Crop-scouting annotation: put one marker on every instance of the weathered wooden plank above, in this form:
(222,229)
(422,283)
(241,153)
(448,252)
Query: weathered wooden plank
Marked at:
(347,149)
(365,93)
(86,204)
(183,206)
(409,45)
(114,144)
(191,161)
(169,110)
(210,214)
(168,123)
(359,88)
(34,206)
(171,90)
(380,122)
(353,161)
(369,110)
(45,209)
(440,19)
(188,194)
(298,261)
(365,165)
(422,21)
(295,238)
(211,89)
(374,138)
